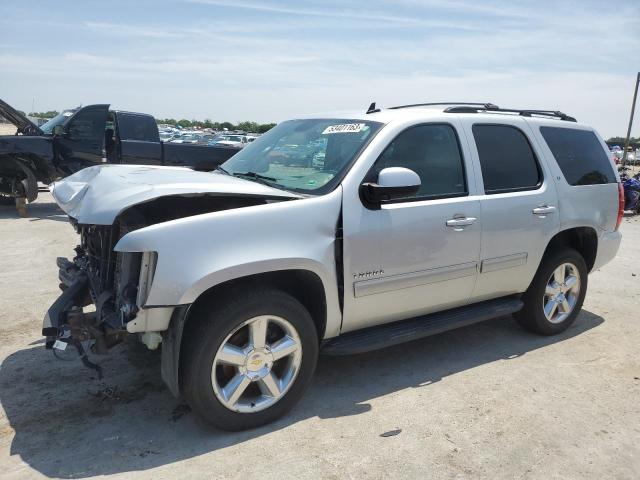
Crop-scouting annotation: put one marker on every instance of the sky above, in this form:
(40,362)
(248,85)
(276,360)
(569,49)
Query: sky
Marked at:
(266,61)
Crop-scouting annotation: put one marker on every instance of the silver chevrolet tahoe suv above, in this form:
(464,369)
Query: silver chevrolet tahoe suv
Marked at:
(334,234)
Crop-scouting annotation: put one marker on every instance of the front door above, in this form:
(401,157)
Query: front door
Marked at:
(419,254)
(82,143)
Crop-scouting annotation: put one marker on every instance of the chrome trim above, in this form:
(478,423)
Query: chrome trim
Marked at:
(413,279)
(544,210)
(500,263)
(458,222)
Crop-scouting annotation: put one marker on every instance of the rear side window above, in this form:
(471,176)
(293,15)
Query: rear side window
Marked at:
(506,158)
(580,155)
(137,127)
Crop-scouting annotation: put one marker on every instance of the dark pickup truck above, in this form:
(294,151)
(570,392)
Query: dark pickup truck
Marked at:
(88,136)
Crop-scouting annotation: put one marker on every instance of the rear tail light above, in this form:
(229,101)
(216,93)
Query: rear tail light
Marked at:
(620,205)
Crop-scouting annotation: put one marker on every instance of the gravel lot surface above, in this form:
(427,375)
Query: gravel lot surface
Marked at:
(487,401)
(7,129)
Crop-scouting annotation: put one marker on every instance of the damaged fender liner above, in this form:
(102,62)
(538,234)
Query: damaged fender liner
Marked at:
(171,342)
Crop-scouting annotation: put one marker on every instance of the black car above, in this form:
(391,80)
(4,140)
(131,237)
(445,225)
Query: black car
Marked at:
(87,136)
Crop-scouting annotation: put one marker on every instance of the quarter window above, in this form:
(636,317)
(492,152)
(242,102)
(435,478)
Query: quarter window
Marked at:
(433,152)
(506,158)
(580,155)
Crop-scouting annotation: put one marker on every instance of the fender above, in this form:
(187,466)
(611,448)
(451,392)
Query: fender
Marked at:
(28,152)
(199,252)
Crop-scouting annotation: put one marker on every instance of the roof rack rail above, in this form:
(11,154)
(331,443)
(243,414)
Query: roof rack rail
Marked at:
(487,105)
(472,108)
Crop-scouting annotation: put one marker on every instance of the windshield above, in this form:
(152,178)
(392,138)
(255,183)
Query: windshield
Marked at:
(59,119)
(307,156)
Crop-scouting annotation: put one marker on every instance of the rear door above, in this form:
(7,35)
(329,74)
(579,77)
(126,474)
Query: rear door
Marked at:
(518,203)
(82,143)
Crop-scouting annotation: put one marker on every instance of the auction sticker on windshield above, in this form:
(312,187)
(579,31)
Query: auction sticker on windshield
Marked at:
(344,128)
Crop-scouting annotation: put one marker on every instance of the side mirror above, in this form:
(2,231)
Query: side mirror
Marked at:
(58,130)
(393,182)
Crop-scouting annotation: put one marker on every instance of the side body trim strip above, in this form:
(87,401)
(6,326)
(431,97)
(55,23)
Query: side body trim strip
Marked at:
(500,263)
(407,280)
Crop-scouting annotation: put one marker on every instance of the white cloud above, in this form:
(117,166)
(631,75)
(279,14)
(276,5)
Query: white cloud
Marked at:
(361,15)
(266,61)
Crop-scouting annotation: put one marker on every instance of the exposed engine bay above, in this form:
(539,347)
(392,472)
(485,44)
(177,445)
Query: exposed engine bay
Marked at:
(116,283)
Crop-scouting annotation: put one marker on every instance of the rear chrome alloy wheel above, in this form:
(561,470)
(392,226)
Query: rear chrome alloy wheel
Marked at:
(561,293)
(256,364)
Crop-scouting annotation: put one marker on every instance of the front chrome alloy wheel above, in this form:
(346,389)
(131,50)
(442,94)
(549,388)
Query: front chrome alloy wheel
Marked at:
(561,293)
(256,364)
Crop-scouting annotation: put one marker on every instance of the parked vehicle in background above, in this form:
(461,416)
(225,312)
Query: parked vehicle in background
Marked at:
(83,137)
(186,138)
(166,136)
(631,186)
(616,153)
(238,141)
(408,221)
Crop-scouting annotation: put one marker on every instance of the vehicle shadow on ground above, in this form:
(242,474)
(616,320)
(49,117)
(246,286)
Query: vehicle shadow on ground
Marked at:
(35,212)
(68,425)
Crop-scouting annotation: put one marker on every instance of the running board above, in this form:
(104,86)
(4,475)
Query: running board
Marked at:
(382,336)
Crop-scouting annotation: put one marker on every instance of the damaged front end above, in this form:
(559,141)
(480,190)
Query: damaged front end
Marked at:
(116,283)
(104,291)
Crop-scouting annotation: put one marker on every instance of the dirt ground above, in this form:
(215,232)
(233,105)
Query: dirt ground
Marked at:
(7,129)
(487,401)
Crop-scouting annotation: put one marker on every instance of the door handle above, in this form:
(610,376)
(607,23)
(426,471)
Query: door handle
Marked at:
(459,222)
(544,210)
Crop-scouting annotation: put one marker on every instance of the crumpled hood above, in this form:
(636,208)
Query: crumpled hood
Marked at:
(96,195)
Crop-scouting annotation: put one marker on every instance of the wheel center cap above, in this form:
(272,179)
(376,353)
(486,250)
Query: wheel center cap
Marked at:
(258,363)
(255,361)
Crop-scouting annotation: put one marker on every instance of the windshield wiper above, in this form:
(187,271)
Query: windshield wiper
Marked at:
(256,176)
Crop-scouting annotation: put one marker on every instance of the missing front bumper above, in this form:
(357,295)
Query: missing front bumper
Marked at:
(56,320)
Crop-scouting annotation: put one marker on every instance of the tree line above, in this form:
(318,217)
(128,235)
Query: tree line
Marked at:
(247,126)
(621,140)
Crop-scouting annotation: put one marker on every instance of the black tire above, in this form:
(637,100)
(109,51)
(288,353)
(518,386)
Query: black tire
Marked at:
(213,325)
(532,315)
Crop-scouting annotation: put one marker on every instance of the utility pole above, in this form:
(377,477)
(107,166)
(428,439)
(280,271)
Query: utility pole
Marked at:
(633,109)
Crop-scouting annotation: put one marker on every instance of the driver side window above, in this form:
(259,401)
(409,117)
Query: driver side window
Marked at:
(87,124)
(433,152)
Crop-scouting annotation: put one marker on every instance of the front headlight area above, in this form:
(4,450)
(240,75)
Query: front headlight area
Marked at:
(133,280)
(137,275)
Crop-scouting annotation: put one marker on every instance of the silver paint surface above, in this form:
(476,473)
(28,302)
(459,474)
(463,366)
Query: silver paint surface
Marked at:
(199,252)
(96,195)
